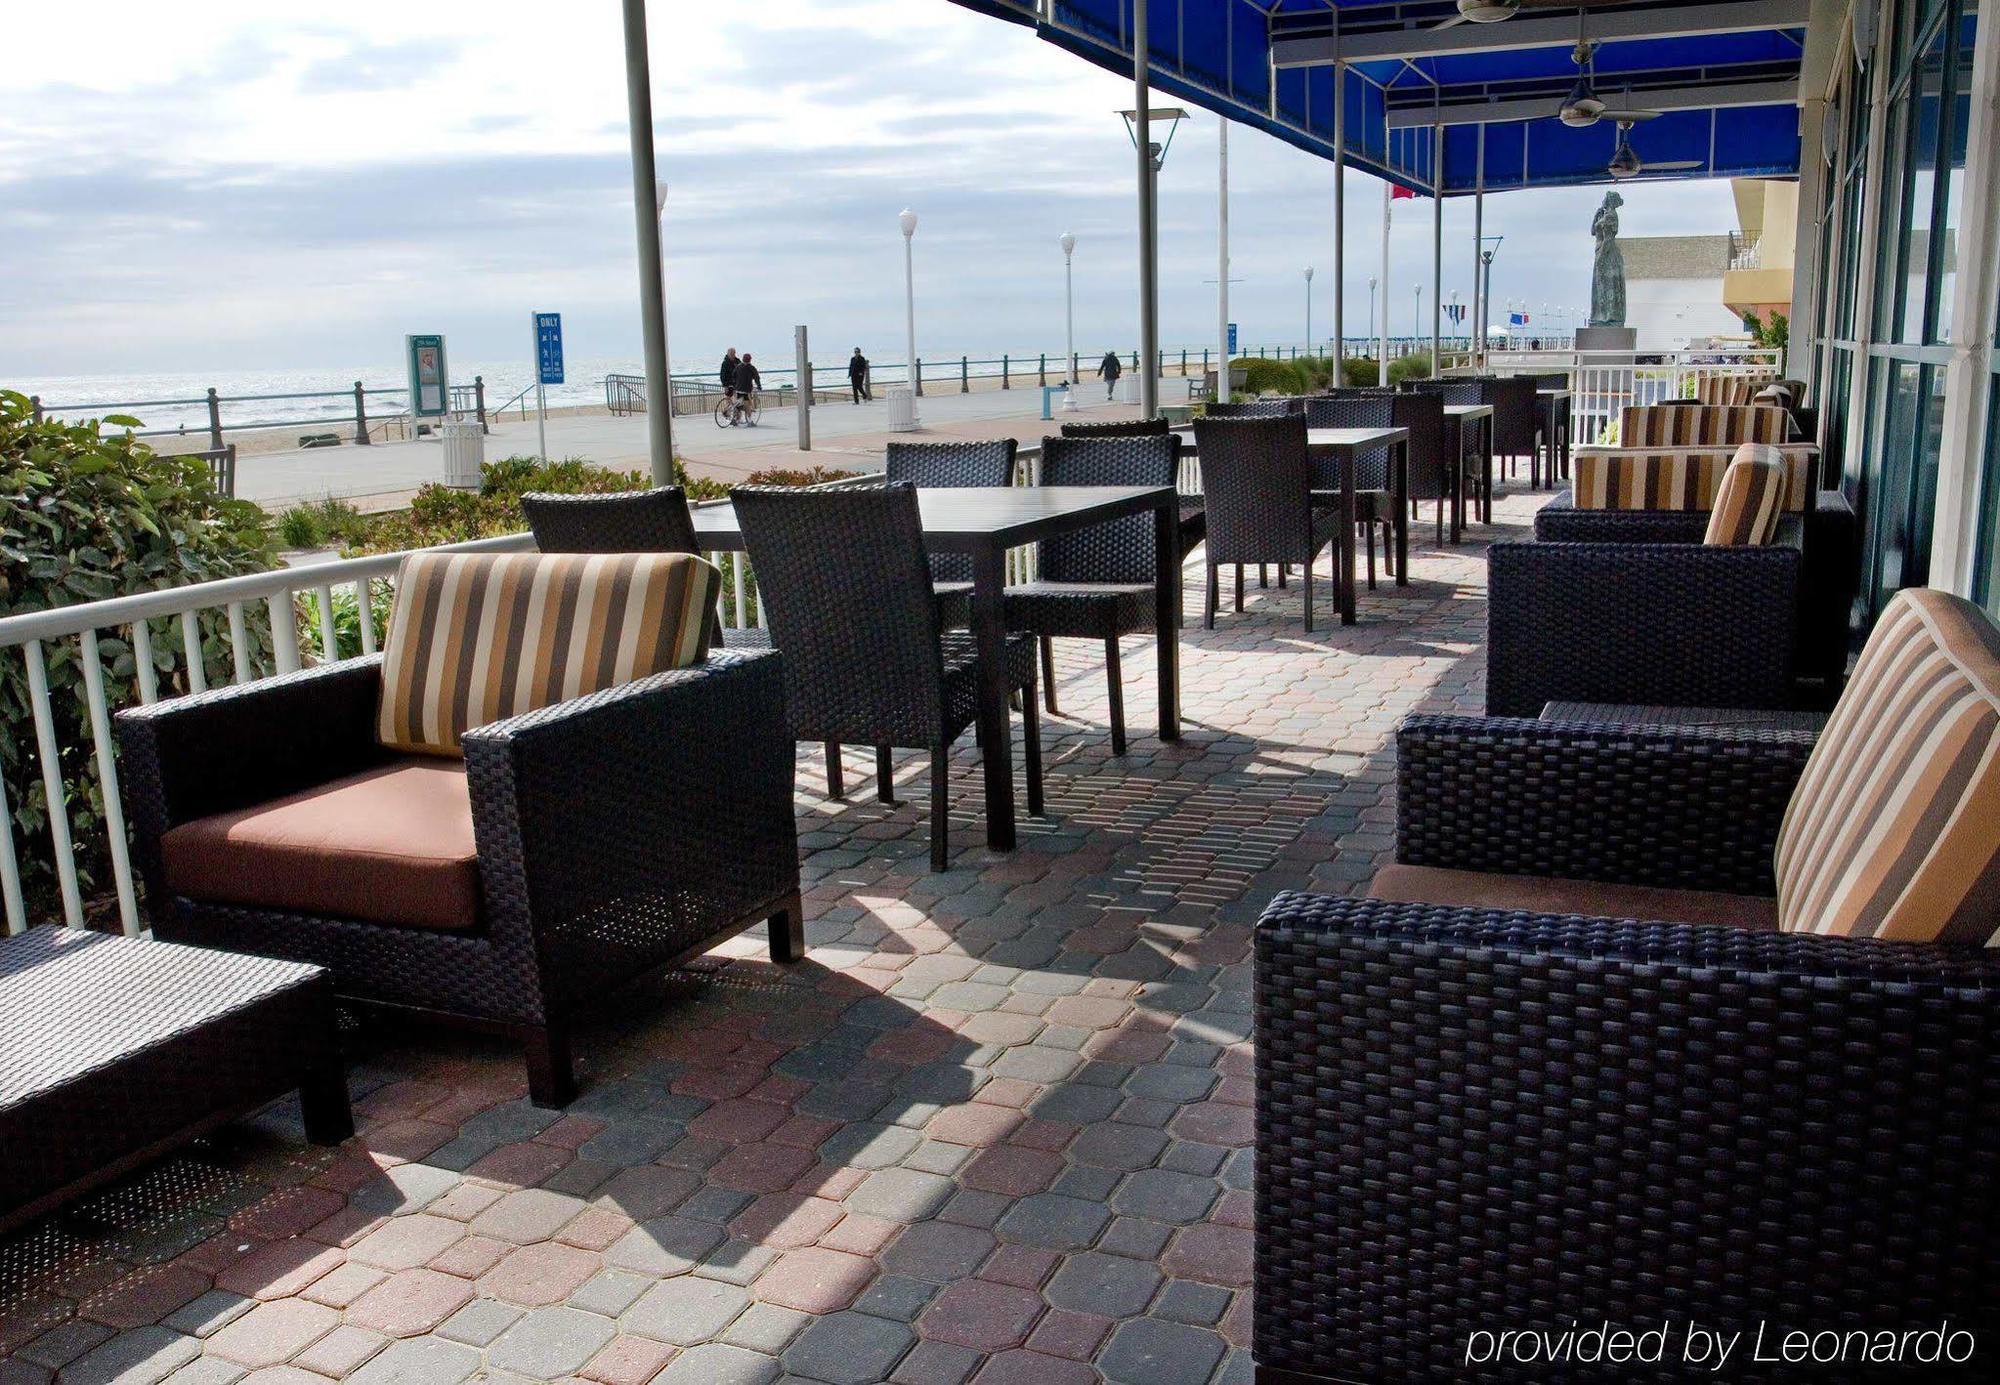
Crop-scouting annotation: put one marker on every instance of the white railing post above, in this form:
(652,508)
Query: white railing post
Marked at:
(329,639)
(142,659)
(191,646)
(239,643)
(52,783)
(364,595)
(10,868)
(107,780)
(284,632)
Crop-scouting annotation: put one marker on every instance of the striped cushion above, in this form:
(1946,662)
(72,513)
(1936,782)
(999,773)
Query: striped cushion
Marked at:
(1750,501)
(1731,389)
(1683,425)
(1894,829)
(1682,478)
(477,637)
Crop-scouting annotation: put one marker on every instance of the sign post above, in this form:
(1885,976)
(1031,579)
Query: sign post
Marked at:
(430,382)
(548,371)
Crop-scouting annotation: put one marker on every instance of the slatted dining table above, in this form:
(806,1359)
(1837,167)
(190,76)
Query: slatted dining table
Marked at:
(1459,416)
(1344,445)
(985,522)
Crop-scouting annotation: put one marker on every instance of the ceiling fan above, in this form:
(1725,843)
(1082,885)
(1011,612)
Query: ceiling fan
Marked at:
(1583,108)
(1626,163)
(1493,11)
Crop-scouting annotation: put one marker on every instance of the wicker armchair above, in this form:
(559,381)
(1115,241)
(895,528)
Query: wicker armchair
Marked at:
(1096,583)
(1652,619)
(616,833)
(649,521)
(1489,1097)
(866,661)
(1118,428)
(1360,408)
(951,464)
(1257,486)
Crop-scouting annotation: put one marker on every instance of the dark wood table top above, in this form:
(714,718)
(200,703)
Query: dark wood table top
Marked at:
(1468,410)
(1355,439)
(963,518)
(1553,394)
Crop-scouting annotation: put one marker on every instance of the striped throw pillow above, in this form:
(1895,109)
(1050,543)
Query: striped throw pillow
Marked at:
(1731,389)
(1750,501)
(1684,425)
(1677,478)
(476,637)
(1894,829)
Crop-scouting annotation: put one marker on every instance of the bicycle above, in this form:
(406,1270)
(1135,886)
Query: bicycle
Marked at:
(744,409)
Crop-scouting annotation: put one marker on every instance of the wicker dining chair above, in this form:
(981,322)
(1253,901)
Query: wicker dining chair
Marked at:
(1517,423)
(1118,428)
(865,657)
(648,521)
(1257,483)
(1096,583)
(951,464)
(1372,503)
(1459,391)
(1252,408)
(1421,412)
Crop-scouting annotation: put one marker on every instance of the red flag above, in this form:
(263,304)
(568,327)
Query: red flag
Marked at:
(1397,191)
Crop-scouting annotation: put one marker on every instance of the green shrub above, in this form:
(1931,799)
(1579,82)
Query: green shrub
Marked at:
(1359,372)
(86,515)
(1262,375)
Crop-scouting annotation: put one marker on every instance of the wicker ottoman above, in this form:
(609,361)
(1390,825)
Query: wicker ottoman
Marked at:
(113,1050)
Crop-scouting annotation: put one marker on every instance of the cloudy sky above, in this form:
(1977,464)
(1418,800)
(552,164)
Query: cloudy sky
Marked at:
(243,186)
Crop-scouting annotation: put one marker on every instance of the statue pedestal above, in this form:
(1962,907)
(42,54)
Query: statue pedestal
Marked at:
(1624,339)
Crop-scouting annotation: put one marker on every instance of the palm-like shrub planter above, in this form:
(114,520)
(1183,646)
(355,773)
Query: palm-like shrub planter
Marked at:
(87,511)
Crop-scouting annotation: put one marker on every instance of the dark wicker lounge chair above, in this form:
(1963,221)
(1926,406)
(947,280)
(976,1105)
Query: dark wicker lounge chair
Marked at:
(1254,408)
(951,464)
(649,521)
(1504,1093)
(1257,486)
(1096,583)
(1647,617)
(866,661)
(614,834)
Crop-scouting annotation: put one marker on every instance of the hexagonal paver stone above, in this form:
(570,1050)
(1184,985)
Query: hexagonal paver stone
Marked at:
(1115,1145)
(664,1246)
(716,1364)
(849,1349)
(1146,1351)
(901,1195)
(815,1280)
(419,1361)
(530,1214)
(1171,1082)
(687,1310)
(139,1357)
(549,1342)
(938,1250)
(1163,1195)
(982,1315)
(403,1188)
(1055,1221)
(1108,1285)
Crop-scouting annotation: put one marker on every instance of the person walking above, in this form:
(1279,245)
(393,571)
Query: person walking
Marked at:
(857,376)
(1108,370)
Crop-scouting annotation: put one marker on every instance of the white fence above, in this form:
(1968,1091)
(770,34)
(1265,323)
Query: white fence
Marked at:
(1602,383)
(291,599)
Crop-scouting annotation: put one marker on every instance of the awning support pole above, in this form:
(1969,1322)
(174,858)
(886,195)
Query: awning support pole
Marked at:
(1382,343)
(1149,269)
(1222,260)
(652,281)
(1339,220)
(1437,249)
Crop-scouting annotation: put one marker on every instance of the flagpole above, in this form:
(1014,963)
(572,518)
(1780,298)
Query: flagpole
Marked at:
(1382,341)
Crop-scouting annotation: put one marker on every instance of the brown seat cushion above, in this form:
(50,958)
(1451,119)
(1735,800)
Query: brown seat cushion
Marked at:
(389,845)
(1538,894)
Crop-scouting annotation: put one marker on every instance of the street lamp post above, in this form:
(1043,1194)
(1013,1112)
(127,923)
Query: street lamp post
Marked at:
(1068,243)
(1371,307)
(652,281)
(907,219)
(1309,307)
(1417,322)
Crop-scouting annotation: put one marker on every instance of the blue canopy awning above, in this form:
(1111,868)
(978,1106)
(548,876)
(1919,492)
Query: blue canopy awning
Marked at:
(1256,64)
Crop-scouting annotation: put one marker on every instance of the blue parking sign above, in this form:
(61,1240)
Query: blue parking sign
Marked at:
(548,348)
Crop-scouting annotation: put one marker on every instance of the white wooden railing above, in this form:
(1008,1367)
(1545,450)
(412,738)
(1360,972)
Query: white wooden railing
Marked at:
(291,598)
(1602,383)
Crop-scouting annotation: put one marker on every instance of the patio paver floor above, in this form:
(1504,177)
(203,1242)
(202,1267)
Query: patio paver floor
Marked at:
(997,1127)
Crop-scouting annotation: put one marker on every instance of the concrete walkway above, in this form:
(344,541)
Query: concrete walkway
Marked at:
(850,436)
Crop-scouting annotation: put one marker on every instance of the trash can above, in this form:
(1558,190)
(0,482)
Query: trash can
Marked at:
(1128,389)
(464,453)
(902,410)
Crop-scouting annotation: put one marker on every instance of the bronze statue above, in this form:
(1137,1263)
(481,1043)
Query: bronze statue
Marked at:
(1607,270)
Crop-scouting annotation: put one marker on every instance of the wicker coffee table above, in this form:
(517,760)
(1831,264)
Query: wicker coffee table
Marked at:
(114,1050)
